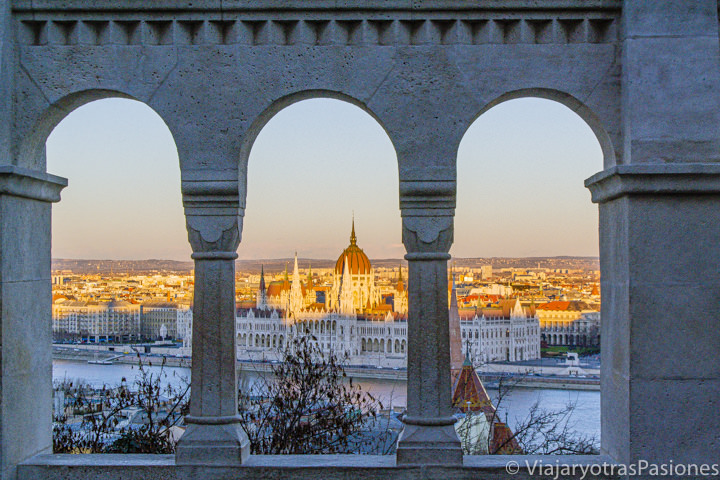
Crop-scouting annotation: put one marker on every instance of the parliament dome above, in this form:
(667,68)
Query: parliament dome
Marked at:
(358,262)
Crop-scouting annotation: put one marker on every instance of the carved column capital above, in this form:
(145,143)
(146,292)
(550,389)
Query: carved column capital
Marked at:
(428,209)
(213,217)
(214,236)
(425,236)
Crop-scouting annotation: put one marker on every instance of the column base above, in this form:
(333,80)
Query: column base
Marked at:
(212,445)
(429,445)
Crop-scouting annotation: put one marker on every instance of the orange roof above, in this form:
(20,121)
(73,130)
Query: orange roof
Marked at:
(466,314)
(492,312)
(358,262)
(573,306)
(277,287)
(504,441)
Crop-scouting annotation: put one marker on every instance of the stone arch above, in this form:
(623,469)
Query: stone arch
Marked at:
(31,149)
(262,119)
(581,109)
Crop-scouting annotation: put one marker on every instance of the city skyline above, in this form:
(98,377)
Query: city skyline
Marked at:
(314,164)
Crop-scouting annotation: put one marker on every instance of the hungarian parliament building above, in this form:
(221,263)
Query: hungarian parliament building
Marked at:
(357,322)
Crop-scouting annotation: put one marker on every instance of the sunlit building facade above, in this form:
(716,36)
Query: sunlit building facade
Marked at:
(353,322)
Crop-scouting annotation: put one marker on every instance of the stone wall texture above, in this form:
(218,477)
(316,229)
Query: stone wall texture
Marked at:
(644,75)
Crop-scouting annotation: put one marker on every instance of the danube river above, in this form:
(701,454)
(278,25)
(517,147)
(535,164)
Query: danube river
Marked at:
(585,418)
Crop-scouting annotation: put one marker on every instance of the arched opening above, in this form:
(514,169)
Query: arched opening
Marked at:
(121,269)
(321,178)
(526,233)
(123,201)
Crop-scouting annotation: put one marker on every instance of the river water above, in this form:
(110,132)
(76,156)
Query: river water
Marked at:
(516,404)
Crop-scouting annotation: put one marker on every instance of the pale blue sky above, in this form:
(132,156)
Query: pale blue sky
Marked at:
(520,171)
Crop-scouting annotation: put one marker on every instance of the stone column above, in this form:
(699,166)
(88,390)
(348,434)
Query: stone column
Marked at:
(660,262)
(214,435)
(659,248)
(25,299)
(429,435)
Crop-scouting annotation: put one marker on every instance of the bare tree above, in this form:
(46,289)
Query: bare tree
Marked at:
(307,406)
(541,431)
(100,409)
(161,409)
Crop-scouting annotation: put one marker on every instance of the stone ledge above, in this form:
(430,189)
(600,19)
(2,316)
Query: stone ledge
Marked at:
(654,179)
(273,5)
(325,467)
(32,184)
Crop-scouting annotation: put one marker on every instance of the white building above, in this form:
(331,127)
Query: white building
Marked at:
(116,321)
(353,322)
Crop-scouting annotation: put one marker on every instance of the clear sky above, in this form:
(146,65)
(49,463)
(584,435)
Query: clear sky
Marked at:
(520,193)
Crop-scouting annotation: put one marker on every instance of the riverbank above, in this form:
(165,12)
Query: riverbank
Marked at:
(491,380)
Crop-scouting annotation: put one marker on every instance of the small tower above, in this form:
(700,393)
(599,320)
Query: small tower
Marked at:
(310,296)
(261,302)
(456,350)
(296,296)
(401,301)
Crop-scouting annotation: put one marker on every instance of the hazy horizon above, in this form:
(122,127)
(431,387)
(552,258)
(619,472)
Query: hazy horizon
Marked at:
(310,258)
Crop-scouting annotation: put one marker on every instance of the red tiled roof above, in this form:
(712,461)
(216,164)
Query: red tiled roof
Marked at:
(571,306)
(503,441)
(469,393)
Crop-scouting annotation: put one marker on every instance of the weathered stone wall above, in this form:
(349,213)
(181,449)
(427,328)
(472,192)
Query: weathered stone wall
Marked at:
(643,74)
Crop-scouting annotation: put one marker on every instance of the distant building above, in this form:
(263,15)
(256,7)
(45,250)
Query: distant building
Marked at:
(353,321)
(569,323)
(116,321)
(155,316)
(505,331)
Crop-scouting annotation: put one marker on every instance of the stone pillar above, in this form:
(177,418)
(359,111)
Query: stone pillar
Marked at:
(659,249)
(25,314)
(214,435)
(670,81)
(660,262)
(429,435)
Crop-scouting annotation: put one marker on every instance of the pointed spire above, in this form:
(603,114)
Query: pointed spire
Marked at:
(287,279)
(296,299)
(261,294)
(309,277)
(456,347)
(353,238)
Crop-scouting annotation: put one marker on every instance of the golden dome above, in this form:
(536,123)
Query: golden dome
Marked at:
(358,262)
